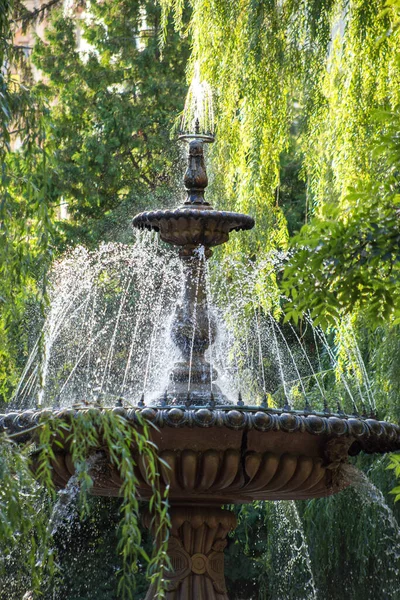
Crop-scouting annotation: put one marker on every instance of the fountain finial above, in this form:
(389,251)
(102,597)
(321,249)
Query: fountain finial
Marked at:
(195,178)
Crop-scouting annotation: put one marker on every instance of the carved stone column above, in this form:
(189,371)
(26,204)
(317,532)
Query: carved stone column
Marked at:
(193,330)
(196,550)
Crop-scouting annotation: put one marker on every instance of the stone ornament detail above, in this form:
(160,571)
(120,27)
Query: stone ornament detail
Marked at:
(196,551)
(222,475)
(193,329)
(268,455)
(370,435)
(180,562)
(230,474)
(183,565)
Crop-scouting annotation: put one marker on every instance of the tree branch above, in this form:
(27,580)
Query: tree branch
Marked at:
(142,176)
(34,14)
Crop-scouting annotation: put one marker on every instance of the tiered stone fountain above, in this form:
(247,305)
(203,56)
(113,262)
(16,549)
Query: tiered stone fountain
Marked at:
(219,452)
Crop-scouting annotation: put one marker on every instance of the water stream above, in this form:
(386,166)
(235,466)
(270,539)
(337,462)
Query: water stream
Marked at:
(98,334)
(209,302)
(278,355)
(291,575)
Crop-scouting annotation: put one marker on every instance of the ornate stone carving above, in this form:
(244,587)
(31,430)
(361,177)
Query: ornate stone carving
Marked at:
(195,178)
(191,227)
(196,222)
(196,550)
(193,330)
(180,561)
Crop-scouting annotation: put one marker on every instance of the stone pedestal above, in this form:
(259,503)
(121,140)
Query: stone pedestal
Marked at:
(196,550)
(193,331)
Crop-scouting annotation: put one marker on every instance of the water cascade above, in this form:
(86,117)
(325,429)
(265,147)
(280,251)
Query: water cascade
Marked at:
(293,576)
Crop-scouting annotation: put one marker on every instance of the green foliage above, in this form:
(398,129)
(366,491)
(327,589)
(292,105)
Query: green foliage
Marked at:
(395,466)
(292,191)
(87,551)
(263,60)
(25,539)
(380,349)
(25,207)
(113,102)
(245,565)
(355,555)
(348,258)
(267,559)
(28,530)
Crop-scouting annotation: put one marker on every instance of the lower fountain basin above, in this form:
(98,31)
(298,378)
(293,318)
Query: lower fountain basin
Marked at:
(233,454)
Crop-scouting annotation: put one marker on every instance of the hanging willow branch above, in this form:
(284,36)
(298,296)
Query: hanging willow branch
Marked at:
(327,74)
(85,435)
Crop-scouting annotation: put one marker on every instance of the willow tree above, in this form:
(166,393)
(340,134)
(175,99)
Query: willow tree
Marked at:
(33,515)
(347,258)
(320,79)
(263,61)
(319,71)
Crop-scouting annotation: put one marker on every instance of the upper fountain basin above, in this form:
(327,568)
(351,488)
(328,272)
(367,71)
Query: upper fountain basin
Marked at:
(192,226)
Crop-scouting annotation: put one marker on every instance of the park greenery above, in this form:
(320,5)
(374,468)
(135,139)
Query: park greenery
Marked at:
(307,113)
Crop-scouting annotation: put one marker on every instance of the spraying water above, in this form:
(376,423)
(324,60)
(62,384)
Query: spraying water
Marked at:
(198,111)
(104,304)
(291,572)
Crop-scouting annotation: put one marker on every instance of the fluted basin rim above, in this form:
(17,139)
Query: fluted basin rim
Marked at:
(151,219)
(370,434)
